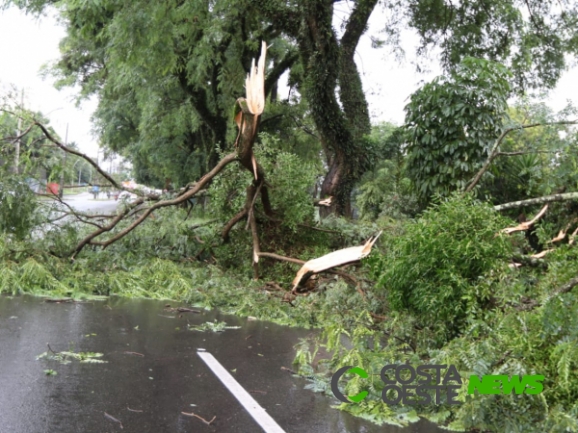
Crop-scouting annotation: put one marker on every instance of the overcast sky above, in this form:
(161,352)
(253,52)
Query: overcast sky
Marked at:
(27,43)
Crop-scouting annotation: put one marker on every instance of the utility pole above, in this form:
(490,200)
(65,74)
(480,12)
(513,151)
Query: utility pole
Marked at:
(18,132)
(61,189)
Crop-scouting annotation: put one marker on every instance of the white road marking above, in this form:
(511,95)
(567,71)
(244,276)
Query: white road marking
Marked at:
(257,412)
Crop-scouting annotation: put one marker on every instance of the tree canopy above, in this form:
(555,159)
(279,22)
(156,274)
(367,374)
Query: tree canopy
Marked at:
(167,73)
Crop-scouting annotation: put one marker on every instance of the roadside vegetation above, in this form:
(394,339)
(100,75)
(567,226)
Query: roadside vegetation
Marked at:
(475,195)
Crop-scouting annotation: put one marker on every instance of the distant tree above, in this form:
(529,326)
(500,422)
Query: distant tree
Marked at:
(452,123)
(536,161)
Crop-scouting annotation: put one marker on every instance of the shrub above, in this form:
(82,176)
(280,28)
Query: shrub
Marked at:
(443,266)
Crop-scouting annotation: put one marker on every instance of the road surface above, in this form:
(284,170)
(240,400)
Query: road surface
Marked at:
(153,378)
(85,202)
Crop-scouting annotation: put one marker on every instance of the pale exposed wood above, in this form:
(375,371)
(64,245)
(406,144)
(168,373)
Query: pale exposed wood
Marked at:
(325,202)
(561,236)
(255,84)
(572,236)
(331,260)
(541,254)
(526,224)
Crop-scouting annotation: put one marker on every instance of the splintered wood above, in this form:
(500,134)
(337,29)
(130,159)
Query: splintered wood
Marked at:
(526,224)
(255,84)
(332,260)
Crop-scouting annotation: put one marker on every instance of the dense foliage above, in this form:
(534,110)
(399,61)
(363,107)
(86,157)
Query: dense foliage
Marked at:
(447,262)
(444,285)
(473,312)
(167,73)
(452,123)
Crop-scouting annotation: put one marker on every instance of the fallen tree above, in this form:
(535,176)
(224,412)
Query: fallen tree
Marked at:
(248,113)
(249,110)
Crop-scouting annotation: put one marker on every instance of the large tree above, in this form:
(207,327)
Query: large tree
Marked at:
(167,72)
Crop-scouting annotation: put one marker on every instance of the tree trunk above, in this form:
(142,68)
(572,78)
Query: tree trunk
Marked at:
(341,130)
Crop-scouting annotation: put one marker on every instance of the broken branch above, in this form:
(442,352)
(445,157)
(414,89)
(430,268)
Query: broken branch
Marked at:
(164,203)
(526,224)
(332,260)
(539,200)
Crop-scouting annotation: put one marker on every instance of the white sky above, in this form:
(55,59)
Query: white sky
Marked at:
(27,43)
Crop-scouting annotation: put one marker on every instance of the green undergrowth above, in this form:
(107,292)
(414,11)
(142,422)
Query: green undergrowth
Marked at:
(184,259)
(436,290)
(451,299)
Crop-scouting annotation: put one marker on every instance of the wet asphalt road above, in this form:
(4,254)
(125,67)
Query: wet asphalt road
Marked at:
(85,202)
(153,373)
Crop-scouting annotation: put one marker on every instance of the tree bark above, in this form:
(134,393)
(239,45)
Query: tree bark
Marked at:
(341,130)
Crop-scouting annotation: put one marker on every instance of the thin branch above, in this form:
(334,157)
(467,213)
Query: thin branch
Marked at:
(78,216)
(164,203)
(200,417)
(282,258)
(251,209)
(21,136)
(88,239)
(567,287)
(523,152)
(494,151)
(318,229)
(232,222)
(79,154)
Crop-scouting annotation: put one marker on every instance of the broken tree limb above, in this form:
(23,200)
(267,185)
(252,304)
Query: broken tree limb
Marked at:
(282,258)
(344,275)
(572,236)
(232,222)
(164,203)
(323,202)
(539,200)
(89,239)
(248,114)
(255,84)
(526,224)
(541,254)
(561,235)
(332,260)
